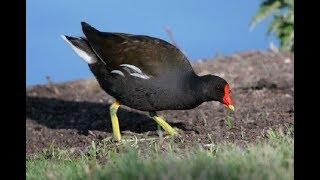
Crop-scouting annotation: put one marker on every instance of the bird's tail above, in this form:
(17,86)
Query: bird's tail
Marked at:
(88,29)
(82,48)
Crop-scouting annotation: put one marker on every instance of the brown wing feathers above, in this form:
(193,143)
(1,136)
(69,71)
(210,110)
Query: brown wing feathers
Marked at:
(149,54)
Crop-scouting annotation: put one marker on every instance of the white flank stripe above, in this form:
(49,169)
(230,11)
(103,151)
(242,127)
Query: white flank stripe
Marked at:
(143,76)
(134,68)
(85,56)
(126,69)
(133,71)
(117,72)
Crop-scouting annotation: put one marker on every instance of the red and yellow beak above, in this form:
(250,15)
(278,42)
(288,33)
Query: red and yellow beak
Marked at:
(227,98)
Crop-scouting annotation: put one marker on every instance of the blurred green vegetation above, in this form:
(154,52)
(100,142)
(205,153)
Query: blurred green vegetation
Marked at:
(282,25)
(269,158)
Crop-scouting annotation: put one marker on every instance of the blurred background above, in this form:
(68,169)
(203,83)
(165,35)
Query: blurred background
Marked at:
(202,29)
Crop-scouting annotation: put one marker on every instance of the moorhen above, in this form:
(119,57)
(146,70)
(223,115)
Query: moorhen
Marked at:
(145,73)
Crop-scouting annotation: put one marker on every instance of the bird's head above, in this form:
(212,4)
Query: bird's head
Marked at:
(217,89)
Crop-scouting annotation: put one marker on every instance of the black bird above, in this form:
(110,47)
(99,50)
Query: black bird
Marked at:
(145,73)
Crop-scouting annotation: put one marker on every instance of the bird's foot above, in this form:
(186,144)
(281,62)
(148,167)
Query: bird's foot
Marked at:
(164,124)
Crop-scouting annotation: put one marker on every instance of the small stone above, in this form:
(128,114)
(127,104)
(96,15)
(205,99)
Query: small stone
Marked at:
(288,95)
(287,60)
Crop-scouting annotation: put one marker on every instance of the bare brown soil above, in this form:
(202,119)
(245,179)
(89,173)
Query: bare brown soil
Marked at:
(72,114)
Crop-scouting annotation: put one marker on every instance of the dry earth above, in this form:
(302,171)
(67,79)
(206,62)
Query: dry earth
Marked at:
(72,114)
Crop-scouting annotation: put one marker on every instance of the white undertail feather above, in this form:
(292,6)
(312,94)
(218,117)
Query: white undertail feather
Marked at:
(84,55)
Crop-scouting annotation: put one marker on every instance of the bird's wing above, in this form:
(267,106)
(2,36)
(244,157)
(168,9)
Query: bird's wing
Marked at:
(141,55)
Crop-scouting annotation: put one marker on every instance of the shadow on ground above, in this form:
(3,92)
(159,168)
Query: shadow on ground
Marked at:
(84,116)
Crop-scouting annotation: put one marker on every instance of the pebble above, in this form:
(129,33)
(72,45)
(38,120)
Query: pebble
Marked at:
(287,60)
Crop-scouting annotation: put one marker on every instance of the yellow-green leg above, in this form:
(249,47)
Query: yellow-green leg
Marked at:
(163,124)
(114,120)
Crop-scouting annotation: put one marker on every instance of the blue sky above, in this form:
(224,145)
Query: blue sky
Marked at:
(202,28)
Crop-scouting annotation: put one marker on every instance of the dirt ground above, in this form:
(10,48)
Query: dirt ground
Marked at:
(72,114)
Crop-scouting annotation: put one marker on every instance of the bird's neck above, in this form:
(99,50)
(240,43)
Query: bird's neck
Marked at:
(208,87)
(196,86)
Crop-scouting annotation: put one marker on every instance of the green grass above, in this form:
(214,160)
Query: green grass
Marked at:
(272,158)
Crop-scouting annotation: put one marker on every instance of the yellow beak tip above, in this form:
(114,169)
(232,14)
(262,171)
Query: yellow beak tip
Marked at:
(231,107)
